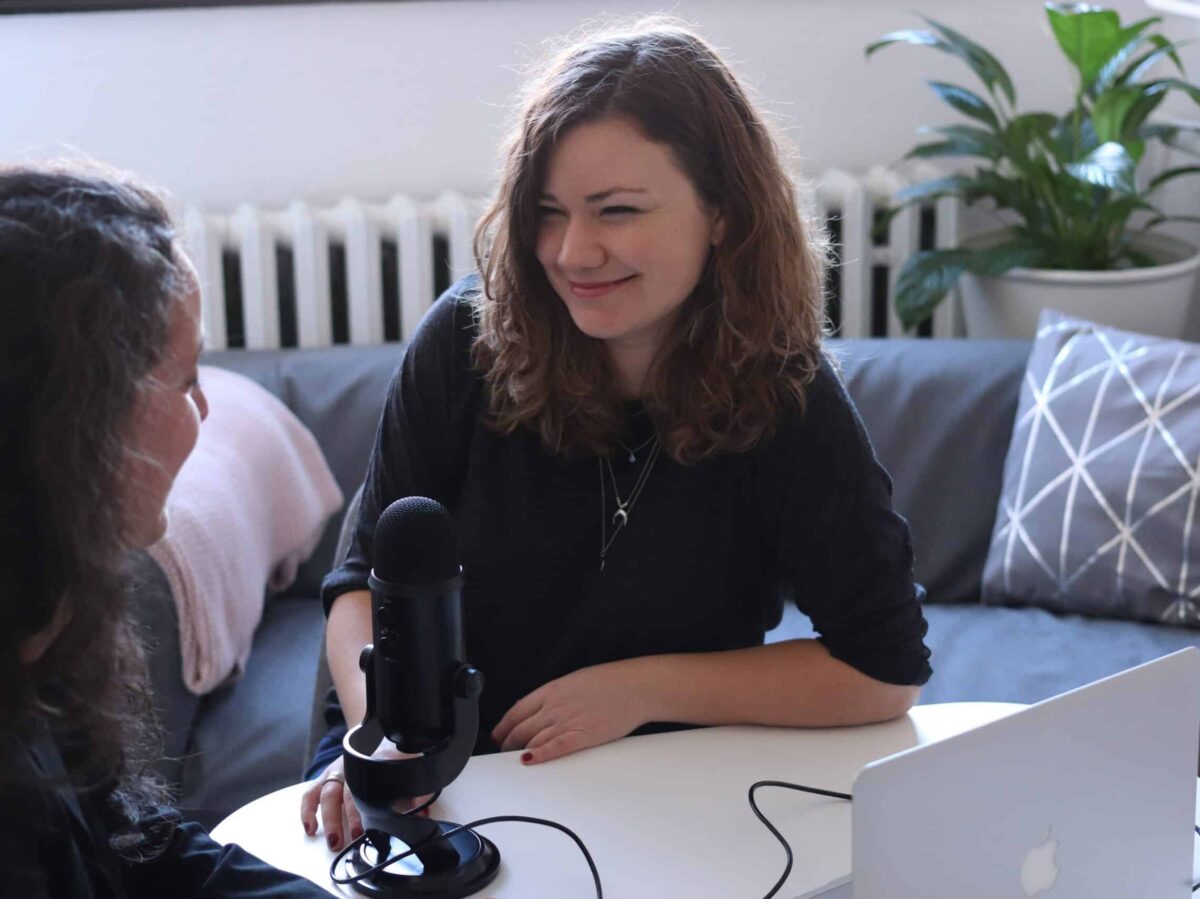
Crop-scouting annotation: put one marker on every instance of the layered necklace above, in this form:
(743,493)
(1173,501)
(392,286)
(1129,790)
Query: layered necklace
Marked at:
(620,518)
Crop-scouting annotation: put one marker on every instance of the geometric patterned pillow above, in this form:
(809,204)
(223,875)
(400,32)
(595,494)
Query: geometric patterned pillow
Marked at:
(1100,508)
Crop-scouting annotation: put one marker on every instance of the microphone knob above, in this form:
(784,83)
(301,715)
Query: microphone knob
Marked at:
(468,683)
(364,657)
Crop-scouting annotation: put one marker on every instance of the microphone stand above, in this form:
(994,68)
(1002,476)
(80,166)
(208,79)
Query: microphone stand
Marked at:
(441,868)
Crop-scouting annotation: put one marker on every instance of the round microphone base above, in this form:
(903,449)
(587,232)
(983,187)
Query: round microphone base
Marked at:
(450,868)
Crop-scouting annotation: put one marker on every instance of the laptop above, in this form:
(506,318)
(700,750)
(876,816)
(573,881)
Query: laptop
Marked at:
(1088,795)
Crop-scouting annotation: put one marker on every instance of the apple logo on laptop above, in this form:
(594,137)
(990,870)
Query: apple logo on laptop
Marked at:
(1039,871)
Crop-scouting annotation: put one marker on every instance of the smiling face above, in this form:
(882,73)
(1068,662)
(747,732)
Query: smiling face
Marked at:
(166,420)
(623,238)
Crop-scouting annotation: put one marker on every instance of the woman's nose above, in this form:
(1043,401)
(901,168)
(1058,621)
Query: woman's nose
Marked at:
(581,247)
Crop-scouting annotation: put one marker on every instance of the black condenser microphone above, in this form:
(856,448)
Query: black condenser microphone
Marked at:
(416,614)
(423,697)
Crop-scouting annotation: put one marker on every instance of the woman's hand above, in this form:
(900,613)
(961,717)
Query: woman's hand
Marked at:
(584,708)
(339,815)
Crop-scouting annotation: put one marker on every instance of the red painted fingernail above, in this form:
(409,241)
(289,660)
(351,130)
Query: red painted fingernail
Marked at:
(310,829)
(332,840)
(425,812)
(526,757)
(355,833)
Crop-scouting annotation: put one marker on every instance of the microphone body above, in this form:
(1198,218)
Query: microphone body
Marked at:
(418,640)
(416,623)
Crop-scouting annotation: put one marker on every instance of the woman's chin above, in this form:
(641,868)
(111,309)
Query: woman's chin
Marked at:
(148,532)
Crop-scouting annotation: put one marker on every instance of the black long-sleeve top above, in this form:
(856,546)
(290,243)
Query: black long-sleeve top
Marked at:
(54,843)
(710,552)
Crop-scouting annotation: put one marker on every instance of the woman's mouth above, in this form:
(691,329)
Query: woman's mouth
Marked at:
(591,289)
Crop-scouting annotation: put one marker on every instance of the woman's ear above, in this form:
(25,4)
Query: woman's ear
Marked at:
(718,232)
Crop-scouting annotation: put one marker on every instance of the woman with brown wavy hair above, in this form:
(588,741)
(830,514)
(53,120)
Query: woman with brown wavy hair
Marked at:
(643,448)
(100,404)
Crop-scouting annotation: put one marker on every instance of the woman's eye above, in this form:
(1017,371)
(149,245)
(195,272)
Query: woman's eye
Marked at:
(548,210)
(618,210)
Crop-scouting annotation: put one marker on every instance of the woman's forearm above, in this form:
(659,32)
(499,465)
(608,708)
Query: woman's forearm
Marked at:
(346,633)
(794,683)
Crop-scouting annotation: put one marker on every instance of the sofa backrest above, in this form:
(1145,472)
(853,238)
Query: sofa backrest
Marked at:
(939,413)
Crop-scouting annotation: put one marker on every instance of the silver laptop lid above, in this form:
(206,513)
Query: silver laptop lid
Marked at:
(1084,795)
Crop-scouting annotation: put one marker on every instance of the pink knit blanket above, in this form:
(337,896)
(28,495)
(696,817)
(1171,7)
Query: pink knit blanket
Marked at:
(248,507)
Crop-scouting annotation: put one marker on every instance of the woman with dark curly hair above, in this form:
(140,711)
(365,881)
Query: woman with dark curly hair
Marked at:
(644,449)
(99,342)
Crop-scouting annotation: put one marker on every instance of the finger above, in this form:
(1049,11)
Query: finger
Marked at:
(308,808)
(556,747)
(354,825)
(529,705)
(520,736)
(332,800)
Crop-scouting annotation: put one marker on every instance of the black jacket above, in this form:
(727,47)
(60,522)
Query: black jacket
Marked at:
(53,843)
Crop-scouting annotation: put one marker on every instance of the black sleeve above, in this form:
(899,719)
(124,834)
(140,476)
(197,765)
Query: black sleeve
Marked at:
(195,865)
(420,442)
(843,552)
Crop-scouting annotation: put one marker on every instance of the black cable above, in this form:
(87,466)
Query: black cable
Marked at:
(787,869)
(357,841)
(455,830)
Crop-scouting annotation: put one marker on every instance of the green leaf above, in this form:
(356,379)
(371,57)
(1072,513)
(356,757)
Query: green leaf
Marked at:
(1161,219)
(1151,98)
(1167,174)
(1111,108)
(1008,193)
(937,187)
(1114,214)
(1178,84)
(926,277)
(1002,257)
(1075,136)
(1131,39)
(1182,137)
(923,282)
(1109,166)
(1087,35)
(1031,125)
(966,102)
(913,36)
(982,63)
(956,146)
(1146,62)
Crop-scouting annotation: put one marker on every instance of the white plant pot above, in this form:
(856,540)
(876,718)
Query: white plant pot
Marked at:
(1152,300)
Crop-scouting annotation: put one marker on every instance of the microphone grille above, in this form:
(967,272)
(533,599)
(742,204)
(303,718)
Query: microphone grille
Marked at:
(414,542)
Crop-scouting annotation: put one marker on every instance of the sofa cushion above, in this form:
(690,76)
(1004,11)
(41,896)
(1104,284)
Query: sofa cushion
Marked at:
(939,413)
(1099,506)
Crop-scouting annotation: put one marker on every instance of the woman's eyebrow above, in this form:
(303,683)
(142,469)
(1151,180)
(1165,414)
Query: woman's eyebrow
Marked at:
(602,195)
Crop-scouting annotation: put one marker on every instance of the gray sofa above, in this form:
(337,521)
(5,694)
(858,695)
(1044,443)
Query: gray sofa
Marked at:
(940,414)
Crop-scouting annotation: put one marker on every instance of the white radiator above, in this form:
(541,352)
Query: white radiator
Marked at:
(413,231)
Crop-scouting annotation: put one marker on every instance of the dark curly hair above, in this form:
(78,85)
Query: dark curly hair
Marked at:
(749,338)
(89,273)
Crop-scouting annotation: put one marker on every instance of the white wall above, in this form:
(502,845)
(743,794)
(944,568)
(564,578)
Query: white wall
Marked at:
(272,103)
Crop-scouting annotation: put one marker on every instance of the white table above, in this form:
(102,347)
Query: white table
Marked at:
(663,815)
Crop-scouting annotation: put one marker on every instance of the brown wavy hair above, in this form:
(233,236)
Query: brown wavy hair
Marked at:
(749,336)
(89,274)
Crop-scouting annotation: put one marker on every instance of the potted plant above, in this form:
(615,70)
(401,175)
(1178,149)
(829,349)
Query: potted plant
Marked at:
(1065,186)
